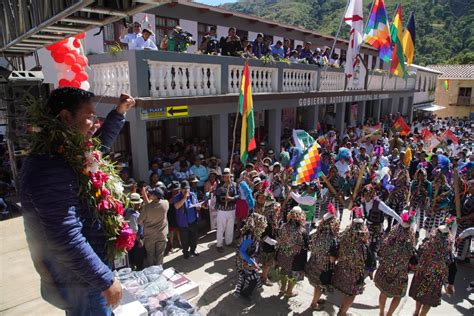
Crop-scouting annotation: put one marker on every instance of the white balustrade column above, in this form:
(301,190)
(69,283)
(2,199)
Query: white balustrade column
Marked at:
(139,144)
(220,137)
(340,116)
(361,111)
(274,129)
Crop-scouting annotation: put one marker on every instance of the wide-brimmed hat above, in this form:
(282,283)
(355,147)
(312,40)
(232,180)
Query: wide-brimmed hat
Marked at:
(185,184)
(256,180)
(200,157)
(135,198)
(193,179)
(213,171)
(226,172)
(174,185)
(167,166)
(213,158)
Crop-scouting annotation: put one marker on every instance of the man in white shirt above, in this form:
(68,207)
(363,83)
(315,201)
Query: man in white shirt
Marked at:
(130,38)
(144,42)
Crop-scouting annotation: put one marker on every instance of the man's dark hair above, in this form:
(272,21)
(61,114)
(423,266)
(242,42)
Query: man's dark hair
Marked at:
(232,28)
(259,35)
(279,43)
(68,98)
(212,28)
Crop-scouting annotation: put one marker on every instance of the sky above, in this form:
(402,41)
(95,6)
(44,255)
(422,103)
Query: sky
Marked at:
(215,2)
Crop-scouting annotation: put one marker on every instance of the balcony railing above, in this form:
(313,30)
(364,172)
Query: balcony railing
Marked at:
(168,75)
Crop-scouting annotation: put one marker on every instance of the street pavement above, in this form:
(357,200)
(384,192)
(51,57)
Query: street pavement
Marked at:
(215,273)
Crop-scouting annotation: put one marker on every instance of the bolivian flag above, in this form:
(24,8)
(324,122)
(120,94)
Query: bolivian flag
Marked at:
(398,61)
(409,40)
(247,138)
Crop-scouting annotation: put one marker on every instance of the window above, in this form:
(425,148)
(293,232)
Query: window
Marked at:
(424,84)
(419,83)
(112,33)
(464,96)
(203,29)
(164,26)
(374,62)
(244,35)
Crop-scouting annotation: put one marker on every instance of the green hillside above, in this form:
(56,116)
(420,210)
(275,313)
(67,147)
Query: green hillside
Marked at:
(444,28)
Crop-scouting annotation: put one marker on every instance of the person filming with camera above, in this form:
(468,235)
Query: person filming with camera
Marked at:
(231,45)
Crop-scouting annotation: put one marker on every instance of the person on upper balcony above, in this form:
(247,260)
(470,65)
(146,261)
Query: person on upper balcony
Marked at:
(306,52)
(210,43)
(129,38)
(145,41)
(277,50)
(259,48)
(230,45)
(287,47)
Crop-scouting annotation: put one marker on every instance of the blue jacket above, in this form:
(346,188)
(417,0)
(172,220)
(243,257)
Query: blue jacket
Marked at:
(186,215)
(66,243)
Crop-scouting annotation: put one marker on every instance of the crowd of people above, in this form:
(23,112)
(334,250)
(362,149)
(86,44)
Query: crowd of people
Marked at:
(392,187)
(231,45)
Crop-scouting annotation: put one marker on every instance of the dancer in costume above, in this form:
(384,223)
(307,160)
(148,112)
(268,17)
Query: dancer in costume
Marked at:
(421,192)
(396,254)
(398,197)
(354,261)
(374,210)
(323,247)
(292,249)
(247,266)
(436,268)
(271,210)
(442,198)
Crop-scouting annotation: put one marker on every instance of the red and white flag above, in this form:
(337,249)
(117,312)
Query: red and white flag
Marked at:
(354,17)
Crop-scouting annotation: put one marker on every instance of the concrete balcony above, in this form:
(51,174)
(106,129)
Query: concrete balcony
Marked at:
(161,75)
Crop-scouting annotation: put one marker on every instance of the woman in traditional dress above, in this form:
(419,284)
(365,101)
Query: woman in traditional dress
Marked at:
(442,198)
(247,266)
(374,209)
(398,197)
(271,210)
(396,254)
(421,192)
(323,247)
(436,268)
(292,245)
(354,261)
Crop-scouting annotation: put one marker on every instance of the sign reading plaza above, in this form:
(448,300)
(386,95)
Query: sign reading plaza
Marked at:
(340,99)
(164,112)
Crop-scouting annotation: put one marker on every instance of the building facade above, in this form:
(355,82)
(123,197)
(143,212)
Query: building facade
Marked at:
(194,96)
(454,90)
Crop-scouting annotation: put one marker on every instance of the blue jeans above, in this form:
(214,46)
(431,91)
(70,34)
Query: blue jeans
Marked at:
(76,301)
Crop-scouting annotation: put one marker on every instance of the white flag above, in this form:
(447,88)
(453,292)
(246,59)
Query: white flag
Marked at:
(354,17)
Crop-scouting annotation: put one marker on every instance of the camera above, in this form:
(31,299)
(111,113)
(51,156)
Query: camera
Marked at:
(183,40)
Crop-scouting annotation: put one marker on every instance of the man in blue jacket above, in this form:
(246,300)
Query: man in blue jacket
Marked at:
(67,244)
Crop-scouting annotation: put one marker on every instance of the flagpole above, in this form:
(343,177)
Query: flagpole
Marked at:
(337,35)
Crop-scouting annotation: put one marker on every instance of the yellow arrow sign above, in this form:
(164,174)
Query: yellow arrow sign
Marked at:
(177,111)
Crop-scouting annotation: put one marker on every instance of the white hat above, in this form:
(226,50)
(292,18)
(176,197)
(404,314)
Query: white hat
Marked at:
(135,198)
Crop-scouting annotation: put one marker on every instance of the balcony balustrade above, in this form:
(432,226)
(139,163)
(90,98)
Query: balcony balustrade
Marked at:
(171,75)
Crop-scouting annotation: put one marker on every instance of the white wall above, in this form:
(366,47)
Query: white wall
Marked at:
(252,36)
(45,60)
(151,25)
(93,44)
(191,27)
(222,31)
(298,42)
(277,38)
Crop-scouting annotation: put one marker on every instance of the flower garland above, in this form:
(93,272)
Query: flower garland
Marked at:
(100,188)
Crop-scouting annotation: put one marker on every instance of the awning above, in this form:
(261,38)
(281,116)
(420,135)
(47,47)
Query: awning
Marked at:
(430,107)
